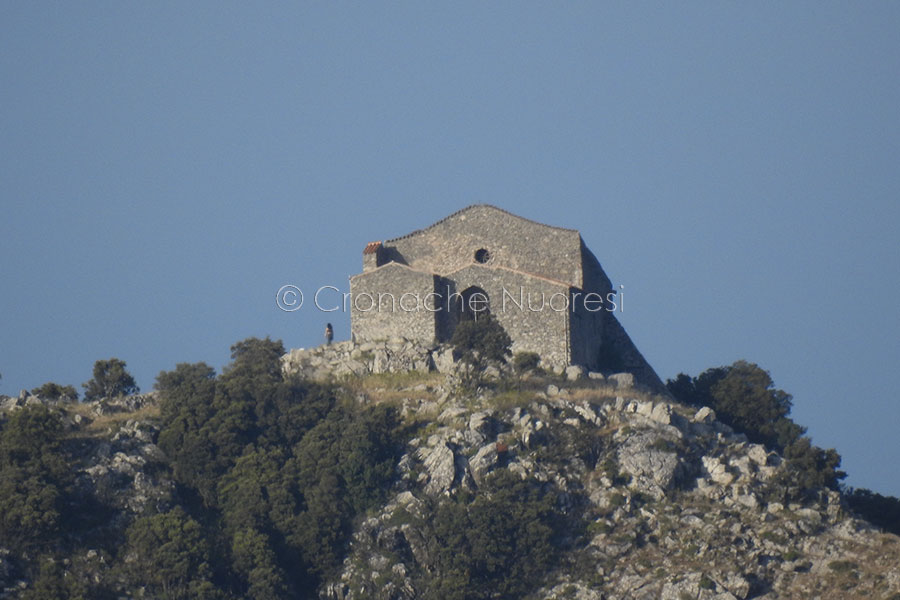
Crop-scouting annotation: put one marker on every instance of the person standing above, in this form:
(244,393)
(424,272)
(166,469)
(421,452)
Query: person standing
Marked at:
(329,334)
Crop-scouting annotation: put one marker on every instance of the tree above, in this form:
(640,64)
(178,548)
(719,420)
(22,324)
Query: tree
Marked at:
(344,467)
(54,391)
(883,511)
(256,561)
(526,361)
(170,556)
(34,477)
(744,397)
(110,380)
(479,343)
(746,400)
(498,545)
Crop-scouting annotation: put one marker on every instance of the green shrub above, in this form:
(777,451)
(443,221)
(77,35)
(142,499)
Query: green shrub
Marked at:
(842,566)
(744,397)
(617,500)
(54,391)
(110,380)
(526,361)
(791,555)
(664,445)
(479,343)
(498,545)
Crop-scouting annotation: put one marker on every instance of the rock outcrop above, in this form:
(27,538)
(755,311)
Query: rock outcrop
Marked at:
(679,505)
(657,500)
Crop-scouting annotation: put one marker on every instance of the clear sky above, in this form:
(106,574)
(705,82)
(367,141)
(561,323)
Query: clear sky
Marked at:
(166,167)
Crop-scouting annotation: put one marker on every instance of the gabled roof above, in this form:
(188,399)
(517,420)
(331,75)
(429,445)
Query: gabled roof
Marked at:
(470,208)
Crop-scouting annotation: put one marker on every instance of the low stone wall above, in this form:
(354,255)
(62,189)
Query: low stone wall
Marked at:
(348,358)
(400,355)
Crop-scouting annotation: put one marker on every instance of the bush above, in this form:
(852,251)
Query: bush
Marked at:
(480,343)
(498,545)
(54,391)
(110,380)
(169,556)
(35,478)
(526,361)
(883,511)
(842,566)
(744,397)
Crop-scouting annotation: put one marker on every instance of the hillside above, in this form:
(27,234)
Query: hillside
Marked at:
(337,478)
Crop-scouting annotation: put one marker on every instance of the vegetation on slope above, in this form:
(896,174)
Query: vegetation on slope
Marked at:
(273,476)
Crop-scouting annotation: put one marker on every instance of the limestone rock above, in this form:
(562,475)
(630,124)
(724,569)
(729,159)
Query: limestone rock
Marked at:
(662,413)
(717,470)
(484,461)
(653,467)
(621,380)
(444,469)
(574,372)
(704,415)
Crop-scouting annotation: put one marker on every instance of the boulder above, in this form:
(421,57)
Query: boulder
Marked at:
(440,466)
(574,372)
(484,461)
(717,470)
(704,415)
(654,468)
(622,380)
(662,413)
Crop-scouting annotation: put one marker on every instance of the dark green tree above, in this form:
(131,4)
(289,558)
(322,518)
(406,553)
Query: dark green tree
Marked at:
(525,362)
(52,584)
(883,511)
(188,435)
(35,478)
(168,555)
(744,397)
(344,466)
(54,391)
(208,422)
(479,343)
(110,380)
(497,545)
(813,466)
(256,561)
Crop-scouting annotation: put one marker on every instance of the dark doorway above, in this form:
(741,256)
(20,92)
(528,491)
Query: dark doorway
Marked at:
(474,302)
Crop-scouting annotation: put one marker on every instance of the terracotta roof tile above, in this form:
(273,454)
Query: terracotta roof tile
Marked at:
(372,247)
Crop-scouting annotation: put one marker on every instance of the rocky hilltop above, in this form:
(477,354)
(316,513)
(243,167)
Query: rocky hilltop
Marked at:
(612,491)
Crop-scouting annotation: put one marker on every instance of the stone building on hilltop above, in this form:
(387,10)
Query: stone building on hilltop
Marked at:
(540,282)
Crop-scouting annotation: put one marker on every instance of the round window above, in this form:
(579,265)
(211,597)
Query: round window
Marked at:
(482,256)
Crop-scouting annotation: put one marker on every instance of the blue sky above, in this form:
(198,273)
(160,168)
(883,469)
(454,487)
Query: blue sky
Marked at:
(166,167)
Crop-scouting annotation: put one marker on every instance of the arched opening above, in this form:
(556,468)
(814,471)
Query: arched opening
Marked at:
(482,255)
(474,302)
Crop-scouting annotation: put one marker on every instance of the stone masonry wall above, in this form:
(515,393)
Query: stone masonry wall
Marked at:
(586,331)
(536,326)
(528,260)
(390,302)
(513,242)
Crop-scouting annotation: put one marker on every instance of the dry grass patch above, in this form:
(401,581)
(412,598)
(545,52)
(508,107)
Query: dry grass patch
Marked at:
(99,426)
(395,387)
